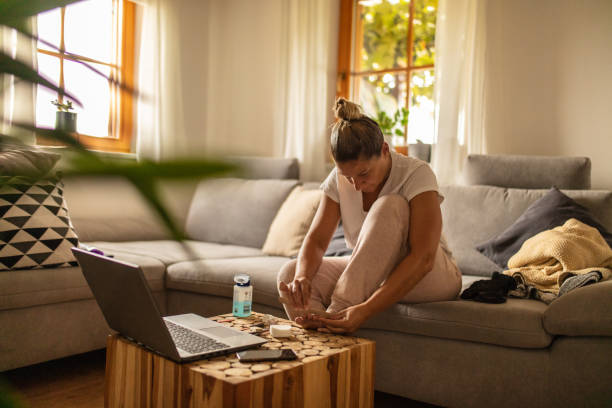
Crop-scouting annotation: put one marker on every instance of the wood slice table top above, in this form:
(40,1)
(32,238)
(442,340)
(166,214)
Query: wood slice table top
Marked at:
(309,345)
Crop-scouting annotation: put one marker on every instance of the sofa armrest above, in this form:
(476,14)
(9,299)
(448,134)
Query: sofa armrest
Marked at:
(585,311)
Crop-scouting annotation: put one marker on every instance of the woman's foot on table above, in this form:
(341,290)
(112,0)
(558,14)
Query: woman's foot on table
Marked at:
(308,323)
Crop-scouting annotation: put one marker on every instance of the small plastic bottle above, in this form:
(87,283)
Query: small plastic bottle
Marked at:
(243,295)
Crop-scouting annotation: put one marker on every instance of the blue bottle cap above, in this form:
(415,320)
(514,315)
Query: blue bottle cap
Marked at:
(242,279)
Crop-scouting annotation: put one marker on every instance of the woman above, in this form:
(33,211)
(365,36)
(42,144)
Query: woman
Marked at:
(390,209)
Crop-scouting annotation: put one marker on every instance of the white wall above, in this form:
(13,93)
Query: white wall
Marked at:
(242,76)
(550,80)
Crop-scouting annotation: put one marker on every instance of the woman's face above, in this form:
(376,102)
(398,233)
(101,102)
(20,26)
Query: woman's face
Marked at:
(366,175)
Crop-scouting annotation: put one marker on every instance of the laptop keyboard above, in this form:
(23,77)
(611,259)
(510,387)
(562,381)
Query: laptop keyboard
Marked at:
(191,341)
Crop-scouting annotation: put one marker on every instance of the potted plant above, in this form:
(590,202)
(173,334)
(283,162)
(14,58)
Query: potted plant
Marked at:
(64,119)
(393,129)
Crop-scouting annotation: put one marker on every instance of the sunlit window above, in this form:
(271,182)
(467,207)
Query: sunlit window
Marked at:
(392,63)
(82,46)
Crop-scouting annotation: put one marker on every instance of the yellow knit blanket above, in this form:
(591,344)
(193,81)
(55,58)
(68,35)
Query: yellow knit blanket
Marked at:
(548,258)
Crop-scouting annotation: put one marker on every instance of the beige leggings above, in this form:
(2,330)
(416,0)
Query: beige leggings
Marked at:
(382,243)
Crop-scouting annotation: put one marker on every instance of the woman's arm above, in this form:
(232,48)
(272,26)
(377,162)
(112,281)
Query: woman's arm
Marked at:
(313,248)
(424,238)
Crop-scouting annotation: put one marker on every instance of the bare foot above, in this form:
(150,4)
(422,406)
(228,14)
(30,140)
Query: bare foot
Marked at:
(308,323)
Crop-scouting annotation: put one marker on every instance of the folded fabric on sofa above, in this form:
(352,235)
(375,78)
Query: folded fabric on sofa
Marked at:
(547,259)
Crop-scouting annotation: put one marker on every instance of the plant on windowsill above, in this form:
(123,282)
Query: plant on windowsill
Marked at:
(64,119)
(393,129)
(144,174)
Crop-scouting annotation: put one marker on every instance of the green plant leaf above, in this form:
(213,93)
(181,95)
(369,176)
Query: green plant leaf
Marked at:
(112,80)
(149,191)
(399,132)
(13,12)
(143,175)
(17,68)
(9,398)
(35,7)
(10,140)
(58,135)
(171,169)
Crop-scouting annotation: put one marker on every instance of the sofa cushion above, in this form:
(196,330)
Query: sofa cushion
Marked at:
(528,171)
(515,323)
(170,252)
(551,210)
(35,228)
(26,288)
(585,311)
(236,211)
(475,214)
(216,277)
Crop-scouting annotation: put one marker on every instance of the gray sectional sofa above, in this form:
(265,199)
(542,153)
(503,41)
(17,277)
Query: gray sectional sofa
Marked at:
(459,353)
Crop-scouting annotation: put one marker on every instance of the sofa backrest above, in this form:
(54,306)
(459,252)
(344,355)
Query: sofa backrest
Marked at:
(111,209)
(474,214)
(528,171)
(257,168)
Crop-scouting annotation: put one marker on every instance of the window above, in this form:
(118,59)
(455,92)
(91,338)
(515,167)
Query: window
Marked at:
(386,60)
(101,34)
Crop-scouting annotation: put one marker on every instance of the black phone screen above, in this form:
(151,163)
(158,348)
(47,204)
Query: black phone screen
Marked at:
(266,355)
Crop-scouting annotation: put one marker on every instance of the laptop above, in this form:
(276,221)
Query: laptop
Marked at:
(128,306)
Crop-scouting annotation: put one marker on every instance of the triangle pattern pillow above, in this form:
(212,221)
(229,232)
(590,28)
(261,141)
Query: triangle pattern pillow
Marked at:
(35,230)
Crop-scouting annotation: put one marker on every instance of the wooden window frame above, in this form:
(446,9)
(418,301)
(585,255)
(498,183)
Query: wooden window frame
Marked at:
(349,40)
(121,114)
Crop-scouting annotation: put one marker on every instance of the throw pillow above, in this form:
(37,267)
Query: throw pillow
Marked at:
(35,231)
(25,160)
(552,210)
(292,222)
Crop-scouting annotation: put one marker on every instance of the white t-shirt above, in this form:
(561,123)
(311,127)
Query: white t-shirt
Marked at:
(409,177)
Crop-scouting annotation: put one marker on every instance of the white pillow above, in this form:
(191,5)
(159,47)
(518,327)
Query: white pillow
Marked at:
(292,222)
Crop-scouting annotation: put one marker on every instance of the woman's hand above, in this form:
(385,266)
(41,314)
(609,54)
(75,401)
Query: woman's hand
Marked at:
(297,292)
(347,320)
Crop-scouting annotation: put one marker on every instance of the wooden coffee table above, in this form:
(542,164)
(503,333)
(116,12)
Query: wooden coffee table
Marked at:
(331,371)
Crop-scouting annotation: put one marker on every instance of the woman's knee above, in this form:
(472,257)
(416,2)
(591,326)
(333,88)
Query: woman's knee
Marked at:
(287,272)
(391,203)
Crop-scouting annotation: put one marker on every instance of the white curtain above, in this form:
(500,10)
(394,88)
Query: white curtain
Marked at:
(238,77)
(18,97)
(459,87)
(159,130)
(308,69)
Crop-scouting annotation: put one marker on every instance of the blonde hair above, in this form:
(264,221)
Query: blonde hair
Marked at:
(354,135)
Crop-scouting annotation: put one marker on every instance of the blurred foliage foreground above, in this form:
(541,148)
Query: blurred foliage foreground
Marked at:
(144,175)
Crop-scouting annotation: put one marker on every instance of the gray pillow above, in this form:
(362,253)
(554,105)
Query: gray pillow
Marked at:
(236,211)
(552,210)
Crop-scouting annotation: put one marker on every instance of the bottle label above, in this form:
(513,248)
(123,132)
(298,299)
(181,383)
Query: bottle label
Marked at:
(242,301)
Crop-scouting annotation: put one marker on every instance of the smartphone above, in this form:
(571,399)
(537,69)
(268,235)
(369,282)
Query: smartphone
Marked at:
(266,355)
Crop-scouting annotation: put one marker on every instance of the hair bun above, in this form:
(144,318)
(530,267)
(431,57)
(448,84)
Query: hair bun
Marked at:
(347,110)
